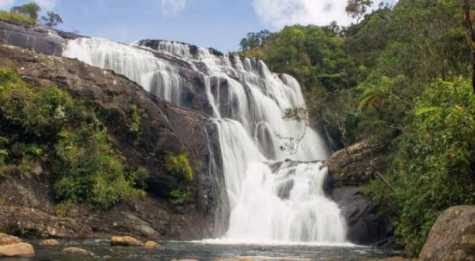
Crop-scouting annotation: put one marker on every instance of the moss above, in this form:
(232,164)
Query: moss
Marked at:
(179,166)
(62,209)
(181,197)
(16,17)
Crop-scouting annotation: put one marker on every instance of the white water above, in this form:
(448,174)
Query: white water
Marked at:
(247,102)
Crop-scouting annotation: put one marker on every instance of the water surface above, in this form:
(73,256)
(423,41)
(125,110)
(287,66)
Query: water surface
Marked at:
(204,251)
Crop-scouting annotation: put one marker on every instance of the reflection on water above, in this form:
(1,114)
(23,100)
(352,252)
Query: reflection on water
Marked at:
(204,251)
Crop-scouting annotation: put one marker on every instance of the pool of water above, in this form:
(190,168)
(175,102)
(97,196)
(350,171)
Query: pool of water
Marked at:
(204,251)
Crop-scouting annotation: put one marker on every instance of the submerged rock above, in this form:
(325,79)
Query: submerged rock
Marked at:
(17,250)
(77,251)
(125,241)
(50,242)
(452,237)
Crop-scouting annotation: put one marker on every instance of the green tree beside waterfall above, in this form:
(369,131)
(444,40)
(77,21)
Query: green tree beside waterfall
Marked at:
(398,77)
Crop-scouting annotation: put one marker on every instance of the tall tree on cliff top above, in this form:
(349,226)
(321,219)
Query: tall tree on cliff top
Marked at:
(467,23)
(357,8)
(31,10)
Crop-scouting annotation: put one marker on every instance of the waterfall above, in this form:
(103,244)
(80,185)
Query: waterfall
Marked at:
(247,102)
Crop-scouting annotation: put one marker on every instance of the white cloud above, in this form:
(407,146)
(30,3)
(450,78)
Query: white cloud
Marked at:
(5,3)
(278,13)
(172,7)
(46,4)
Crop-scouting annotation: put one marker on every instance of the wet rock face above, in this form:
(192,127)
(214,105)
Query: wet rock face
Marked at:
(29,37)
(348,170)
(452,237)
(364,225)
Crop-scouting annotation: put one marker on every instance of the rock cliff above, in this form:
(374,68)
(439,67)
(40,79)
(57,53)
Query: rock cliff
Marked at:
(168,129)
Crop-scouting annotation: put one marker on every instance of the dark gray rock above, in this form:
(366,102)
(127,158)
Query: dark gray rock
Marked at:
(37,39)
(365,226)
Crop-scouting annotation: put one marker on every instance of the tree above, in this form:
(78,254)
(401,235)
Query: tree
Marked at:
(467,23)
(31,10)
(357,8)
(51,20)
(254,40)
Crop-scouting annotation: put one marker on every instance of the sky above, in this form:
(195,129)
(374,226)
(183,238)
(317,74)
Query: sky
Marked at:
(220,24)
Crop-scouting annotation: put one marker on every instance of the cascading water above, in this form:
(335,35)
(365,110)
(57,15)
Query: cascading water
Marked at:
(267,203)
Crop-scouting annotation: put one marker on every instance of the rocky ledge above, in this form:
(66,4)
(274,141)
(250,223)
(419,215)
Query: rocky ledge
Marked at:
(168,129)
(349,169)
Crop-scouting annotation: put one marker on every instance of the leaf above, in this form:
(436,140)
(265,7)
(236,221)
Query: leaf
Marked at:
(425,110)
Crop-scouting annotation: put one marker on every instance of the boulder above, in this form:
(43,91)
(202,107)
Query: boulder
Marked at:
(452,237)
(365,226)
(77,251)
(30,219)
(8,240)
(153,245)
(356,165)
(125,241)
(50,242)
(17,250)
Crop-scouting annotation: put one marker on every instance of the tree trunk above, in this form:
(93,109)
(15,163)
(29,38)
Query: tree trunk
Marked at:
(467,23)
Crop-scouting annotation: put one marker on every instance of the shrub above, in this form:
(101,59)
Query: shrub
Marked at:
(181,197)
(179,166)
(434,167)
(16,17)
(89,170)
(36,119)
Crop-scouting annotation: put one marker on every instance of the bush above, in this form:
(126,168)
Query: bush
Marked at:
(434,167)
(179,166)
(37,120)
(181,197)
(89,169)
(16,17)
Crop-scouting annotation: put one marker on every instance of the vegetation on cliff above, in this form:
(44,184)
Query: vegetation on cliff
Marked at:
(401,77)
(43,126)
(30,14)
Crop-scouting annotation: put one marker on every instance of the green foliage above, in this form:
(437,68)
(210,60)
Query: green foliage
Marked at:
(181,197)
(38,119)
(436,160)
(379,80)
(254,40)
(89,169)
(62,209)
(16,17)
(30,10)
(179,166)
